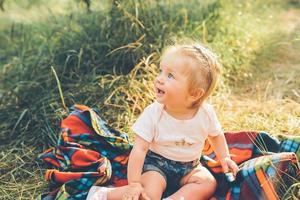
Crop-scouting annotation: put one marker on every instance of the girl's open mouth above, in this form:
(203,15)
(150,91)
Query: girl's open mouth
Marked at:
(159,91)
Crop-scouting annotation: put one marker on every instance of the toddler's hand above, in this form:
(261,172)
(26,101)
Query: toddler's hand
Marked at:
(134,192)
(229,165)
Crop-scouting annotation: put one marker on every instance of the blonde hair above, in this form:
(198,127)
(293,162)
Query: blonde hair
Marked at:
(205,74)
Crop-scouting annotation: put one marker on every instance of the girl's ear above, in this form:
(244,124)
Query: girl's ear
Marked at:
(196,94)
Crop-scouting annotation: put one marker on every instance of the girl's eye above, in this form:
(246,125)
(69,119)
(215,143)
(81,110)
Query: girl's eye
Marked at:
(170,75)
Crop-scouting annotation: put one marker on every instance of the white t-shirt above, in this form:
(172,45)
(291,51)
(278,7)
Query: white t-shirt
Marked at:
(179,140)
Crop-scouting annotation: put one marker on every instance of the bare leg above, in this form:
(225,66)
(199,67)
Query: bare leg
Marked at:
(152,181)
(199,184)
(154,184)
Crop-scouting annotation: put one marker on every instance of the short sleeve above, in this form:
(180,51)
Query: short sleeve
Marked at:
(144,125)
(214,127)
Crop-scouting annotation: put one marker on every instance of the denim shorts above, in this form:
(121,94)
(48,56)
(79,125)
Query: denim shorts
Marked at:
(172,171)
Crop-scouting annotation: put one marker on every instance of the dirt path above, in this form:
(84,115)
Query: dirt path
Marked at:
(270,100)
(280,77)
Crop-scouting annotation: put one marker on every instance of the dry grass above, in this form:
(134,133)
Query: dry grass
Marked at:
(20,177)
(273,116)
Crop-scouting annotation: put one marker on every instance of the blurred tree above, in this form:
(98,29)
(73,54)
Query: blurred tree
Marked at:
(88,4)
(1,4)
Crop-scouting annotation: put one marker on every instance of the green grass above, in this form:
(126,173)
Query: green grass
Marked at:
(81,47)
(107,58)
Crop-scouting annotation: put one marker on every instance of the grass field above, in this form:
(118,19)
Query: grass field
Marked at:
(107,58)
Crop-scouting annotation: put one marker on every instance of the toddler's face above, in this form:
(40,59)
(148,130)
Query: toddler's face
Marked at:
(172,86)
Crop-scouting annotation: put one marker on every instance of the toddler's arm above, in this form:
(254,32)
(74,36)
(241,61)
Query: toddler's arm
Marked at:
(136,160)
(135,165)
(221,149)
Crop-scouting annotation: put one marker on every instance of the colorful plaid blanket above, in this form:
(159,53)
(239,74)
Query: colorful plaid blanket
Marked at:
(90,152)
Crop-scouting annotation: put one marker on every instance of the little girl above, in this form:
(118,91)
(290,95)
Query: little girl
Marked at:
(171,132)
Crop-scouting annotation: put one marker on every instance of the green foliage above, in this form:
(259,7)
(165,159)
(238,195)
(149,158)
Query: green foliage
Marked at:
(81,47)
(84,46)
